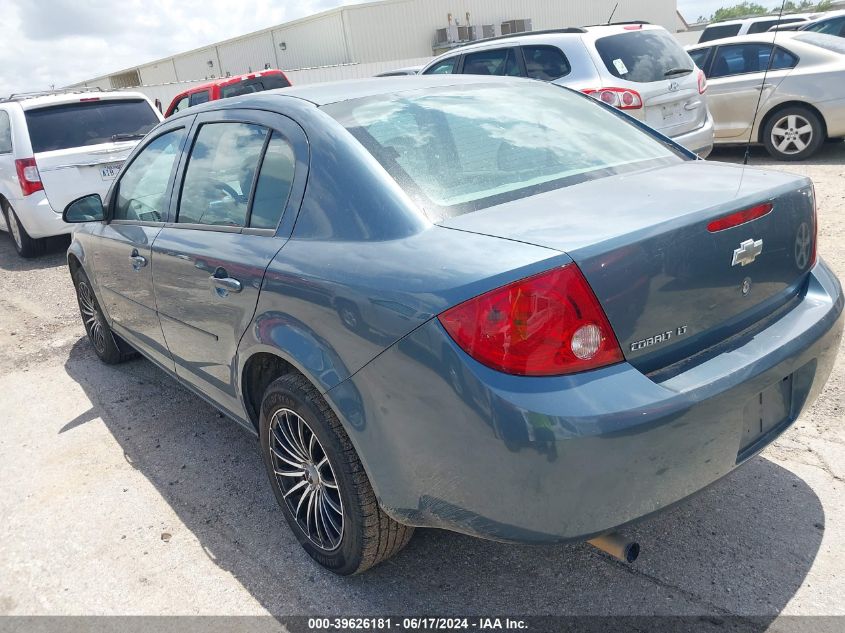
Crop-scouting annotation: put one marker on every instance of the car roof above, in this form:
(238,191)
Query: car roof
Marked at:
(224,81)
(39,101)
(768,37)
(762,18)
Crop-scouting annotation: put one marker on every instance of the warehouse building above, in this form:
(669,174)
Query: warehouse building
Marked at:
(361,40)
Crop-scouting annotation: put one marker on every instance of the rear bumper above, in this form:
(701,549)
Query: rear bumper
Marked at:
(834,117)
(698,141)
(449,443)
(38,217)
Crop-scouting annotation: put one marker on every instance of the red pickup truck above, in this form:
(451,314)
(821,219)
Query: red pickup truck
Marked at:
(228,87)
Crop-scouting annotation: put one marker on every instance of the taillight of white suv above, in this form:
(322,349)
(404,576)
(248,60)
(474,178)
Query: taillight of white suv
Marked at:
(28,176)
(622,98)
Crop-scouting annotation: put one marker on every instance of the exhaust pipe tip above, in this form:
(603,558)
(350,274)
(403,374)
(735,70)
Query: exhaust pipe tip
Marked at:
(618,546)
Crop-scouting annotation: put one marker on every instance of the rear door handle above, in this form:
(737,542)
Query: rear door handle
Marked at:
(138,261)
(766,86)
(225,284)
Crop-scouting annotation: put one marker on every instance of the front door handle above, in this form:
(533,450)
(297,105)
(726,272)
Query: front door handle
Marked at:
(138,261)
(224,284)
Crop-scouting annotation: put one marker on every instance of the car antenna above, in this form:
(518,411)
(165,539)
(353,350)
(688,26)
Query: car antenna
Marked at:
(612,13)
(763,85)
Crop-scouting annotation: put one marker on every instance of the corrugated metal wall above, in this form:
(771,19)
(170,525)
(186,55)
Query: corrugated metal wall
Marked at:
(406,28)
(318,41)
(385,31)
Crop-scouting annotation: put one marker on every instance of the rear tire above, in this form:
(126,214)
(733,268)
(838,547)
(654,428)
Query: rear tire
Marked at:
(794,133)
(108,347)
(296,420)
(25,245)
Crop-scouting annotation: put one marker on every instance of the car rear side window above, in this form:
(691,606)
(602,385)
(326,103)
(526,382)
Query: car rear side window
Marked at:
(545,62)
(199,97)
(220,173)
(718,32)
(5,133)
(500,61)
(643,56)
(443,67)
(273,186)
(89,123)
(700,57)
(740,59)
(461,148)
(143,184)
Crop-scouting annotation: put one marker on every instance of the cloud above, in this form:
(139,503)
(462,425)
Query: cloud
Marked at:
(59,42)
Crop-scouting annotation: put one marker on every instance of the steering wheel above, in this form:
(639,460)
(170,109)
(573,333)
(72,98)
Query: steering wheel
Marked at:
(222,186)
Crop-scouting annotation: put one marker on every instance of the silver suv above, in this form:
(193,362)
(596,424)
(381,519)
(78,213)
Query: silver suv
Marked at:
(637,67)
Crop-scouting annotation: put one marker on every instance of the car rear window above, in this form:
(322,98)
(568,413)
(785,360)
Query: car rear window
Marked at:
(259,84)
(460,148)
(88,123)
(643,56)
(828,42)
(718,32)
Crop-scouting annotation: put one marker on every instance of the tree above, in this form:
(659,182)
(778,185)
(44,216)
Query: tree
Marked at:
(742,10)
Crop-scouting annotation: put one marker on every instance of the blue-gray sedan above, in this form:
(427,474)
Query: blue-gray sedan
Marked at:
(489,305)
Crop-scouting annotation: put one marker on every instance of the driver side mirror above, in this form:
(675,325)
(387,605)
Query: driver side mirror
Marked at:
(85,209)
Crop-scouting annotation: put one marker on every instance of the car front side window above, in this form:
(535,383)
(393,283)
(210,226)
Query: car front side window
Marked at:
(180,105)
(199,97)
(742,59)
(143,185)
(220,173)
(444,67)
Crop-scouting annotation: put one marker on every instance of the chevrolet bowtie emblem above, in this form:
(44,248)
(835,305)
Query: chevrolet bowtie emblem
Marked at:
(747,252)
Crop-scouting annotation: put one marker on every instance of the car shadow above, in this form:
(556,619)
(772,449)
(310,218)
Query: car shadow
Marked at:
(54,254)
(743,546)
(831,153)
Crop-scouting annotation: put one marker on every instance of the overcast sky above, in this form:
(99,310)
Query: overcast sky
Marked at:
(60,42)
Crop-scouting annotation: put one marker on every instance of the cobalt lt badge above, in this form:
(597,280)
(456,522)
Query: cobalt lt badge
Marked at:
(747,252)
(746,286)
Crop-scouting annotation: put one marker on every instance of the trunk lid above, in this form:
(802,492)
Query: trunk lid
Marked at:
(68,174)
(669,286)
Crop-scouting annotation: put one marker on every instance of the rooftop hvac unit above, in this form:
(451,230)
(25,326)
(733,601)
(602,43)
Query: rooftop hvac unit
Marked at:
(441,36)
(447,35)
(490,30)
(516,26)
(463,33)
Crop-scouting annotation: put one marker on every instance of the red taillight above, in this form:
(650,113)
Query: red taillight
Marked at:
(702,82)
(621,98)
(740,217)
(545,325)
(28,176)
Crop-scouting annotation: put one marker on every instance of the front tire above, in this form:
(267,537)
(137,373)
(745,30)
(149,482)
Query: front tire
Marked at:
(793,134)
(106,345)
(26,246)
(319,481)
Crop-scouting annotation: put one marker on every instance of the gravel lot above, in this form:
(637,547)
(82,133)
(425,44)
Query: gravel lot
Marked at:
(124,494)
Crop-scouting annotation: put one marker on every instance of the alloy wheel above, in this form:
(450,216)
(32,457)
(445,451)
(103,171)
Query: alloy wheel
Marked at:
(91,316)
(792,134)
(14,229)
(306,478)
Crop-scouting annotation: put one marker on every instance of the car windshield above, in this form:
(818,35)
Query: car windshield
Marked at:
(88,123)
(643,56)
(828,42)
(460,148)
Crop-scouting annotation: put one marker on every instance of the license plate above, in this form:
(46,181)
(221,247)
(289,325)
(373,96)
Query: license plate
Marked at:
(769,411)
(672,111)
(110,170)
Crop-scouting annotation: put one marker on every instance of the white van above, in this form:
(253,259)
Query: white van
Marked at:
(57,147)
(750,26)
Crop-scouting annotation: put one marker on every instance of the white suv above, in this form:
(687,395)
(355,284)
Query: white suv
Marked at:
(637,67)
(55,148)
